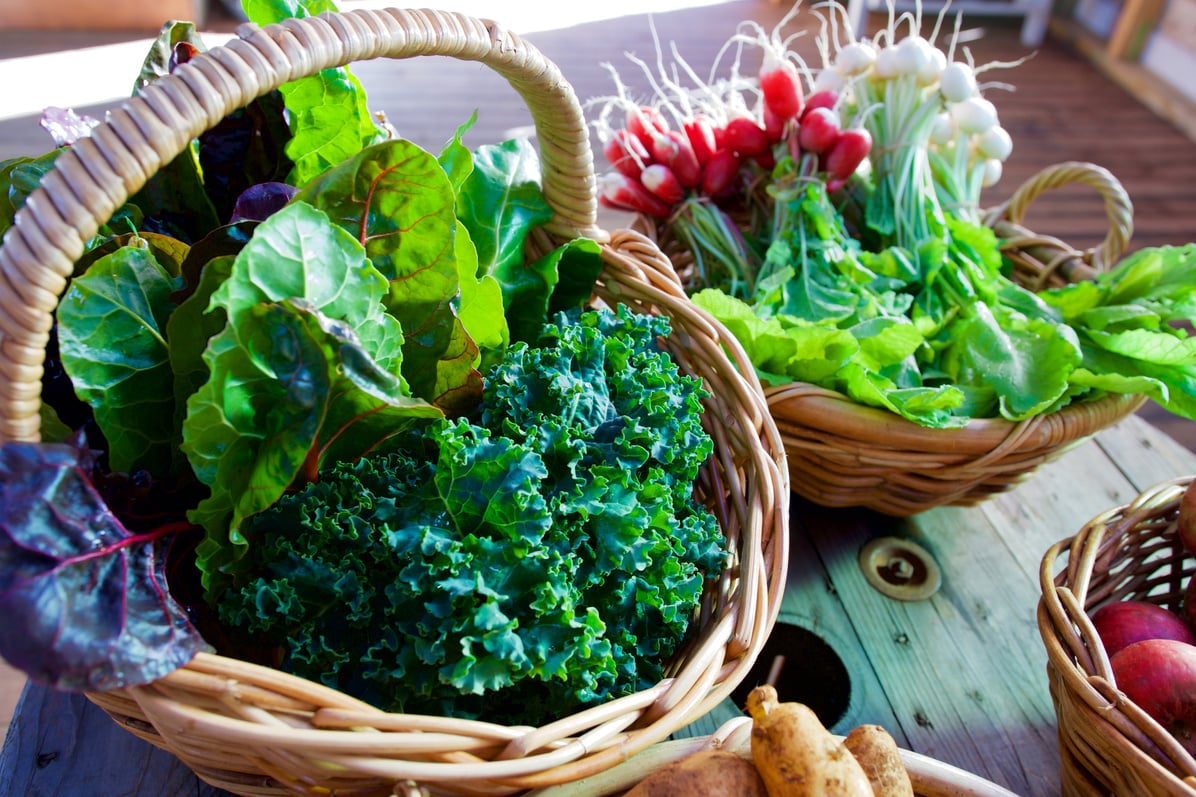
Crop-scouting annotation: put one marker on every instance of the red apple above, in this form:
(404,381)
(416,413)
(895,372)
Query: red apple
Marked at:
(1122,623)
(1159,676)
(1186,520)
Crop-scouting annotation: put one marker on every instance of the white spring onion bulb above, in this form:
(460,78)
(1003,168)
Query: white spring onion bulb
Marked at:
(913,55)
(975,115)
(887,63)
(855,58)
(929,74)
(995,143)
(943,131)
(830,80)
(992,172)
(957,82)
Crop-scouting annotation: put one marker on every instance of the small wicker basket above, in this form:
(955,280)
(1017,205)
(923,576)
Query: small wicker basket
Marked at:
(253,730)
(1108,745)
(842,453)
(928,776)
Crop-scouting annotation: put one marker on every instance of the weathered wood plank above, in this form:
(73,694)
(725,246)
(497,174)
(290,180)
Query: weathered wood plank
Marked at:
(62,744)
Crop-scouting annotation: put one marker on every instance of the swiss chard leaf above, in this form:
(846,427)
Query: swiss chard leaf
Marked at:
(173,200)
(396,199)
(329,118)
(85,602)
(111,332)
(307,369)
(501,202)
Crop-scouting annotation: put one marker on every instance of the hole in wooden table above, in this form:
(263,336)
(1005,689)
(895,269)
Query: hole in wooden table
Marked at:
(804,669)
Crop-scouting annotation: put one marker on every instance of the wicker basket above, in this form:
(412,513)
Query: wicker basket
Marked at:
(1109,746)
(929,777)
(842,453)
(256,731)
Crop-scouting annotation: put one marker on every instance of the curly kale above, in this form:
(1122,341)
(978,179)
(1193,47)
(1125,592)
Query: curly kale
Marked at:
(543,554)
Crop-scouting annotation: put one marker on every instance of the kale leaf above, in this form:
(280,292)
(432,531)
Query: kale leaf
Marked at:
(545,553)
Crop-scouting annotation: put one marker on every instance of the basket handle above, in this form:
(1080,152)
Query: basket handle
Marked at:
(91,179)
(1118,208)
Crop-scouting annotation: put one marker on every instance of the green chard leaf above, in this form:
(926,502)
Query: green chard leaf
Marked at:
(111,332)
(306,370)
(396,199)
(330,120)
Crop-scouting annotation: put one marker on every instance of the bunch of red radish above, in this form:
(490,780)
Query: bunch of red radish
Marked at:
(658,166)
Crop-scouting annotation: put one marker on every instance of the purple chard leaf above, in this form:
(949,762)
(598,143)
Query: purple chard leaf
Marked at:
(85,602)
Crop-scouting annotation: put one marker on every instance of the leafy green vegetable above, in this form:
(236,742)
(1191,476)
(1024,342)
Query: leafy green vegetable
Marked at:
(219,368)
(396,199)
(307,369)
(329,118)
(124,297)
(545,555)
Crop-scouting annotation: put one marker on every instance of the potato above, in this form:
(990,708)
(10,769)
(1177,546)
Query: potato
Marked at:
(707,773)
(877,753)
(796,755)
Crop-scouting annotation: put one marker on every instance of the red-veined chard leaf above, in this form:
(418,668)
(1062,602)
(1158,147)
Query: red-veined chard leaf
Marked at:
(111,337)
(307,368)
(480,302)
(85,602)
(396,199)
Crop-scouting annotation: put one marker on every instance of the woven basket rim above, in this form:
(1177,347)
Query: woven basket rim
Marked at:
(253,730)
(1127,551)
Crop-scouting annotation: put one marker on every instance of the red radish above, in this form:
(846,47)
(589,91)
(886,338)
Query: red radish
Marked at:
(848,152)
(820,99)
(674,151)
(745,137)
(766,160)
(700,132)
(663,182)
(626,153)
(620,191)
(718,175)
(646,123)
(819,130)
(1122,623)
(774,125)
(781,86)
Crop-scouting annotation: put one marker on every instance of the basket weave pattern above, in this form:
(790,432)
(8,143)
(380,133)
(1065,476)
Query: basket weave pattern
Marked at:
(842,453)
(1107,744)
(257,731)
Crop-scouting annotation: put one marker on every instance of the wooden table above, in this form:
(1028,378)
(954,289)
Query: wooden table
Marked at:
(959,677)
